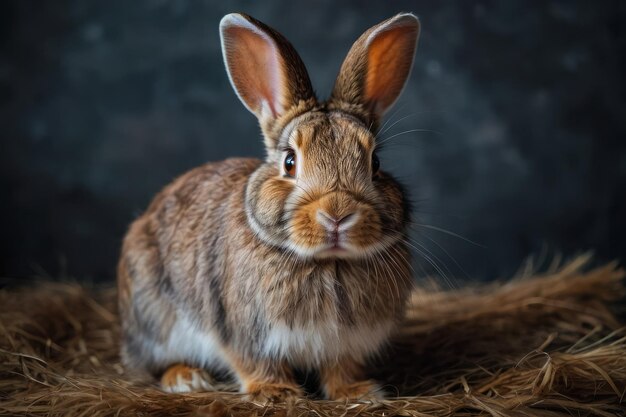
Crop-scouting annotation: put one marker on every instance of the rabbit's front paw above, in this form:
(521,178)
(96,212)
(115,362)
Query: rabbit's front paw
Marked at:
(358,391)
(271,392)
(182,378)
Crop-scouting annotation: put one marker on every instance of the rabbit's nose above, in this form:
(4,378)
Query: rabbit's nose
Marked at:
(336,223)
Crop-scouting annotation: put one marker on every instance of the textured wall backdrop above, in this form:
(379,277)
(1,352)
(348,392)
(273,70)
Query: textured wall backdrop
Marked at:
(522,106)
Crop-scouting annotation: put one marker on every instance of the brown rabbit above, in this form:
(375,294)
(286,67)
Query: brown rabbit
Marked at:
(298,261)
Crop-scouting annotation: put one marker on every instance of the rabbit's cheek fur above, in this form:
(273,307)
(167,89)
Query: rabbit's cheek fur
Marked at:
(367,231)
(307,234)
(270,209)
(265,204)
(394,209)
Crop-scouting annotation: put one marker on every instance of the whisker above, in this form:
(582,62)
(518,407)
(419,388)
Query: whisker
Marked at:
(448,232)
(383,276)
(396,111)
(392,276)
(395,123)
(434,264)
(435,257)
(448,254)
(410,131)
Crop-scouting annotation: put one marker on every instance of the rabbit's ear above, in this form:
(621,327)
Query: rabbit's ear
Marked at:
(377,68)
(264,69)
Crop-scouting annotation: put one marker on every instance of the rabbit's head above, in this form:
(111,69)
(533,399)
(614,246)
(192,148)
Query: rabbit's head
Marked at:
(321,192)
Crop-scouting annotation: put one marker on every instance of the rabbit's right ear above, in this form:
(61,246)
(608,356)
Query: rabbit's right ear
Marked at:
(265,70)
(377,68)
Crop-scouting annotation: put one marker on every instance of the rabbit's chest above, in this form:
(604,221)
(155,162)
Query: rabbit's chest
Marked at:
(321,317)
(312,344)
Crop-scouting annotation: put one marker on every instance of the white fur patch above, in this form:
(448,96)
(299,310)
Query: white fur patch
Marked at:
(189,344)
(322,342)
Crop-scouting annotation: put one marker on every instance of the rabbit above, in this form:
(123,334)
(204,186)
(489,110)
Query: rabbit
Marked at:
(297,262)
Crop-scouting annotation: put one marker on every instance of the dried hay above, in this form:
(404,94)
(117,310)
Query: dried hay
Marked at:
(542,345)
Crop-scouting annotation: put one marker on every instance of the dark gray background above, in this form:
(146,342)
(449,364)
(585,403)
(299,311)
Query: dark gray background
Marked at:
(522,105)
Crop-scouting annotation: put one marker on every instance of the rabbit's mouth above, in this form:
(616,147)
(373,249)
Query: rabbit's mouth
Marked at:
(336,251)
(345,248)
(338,226)
(336,246)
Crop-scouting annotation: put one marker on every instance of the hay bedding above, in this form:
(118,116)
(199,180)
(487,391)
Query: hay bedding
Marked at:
(542,345)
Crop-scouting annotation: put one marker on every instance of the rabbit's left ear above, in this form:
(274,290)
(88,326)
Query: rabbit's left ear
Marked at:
(377,68)
(265,70)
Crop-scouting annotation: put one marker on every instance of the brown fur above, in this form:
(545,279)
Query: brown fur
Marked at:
(237,266)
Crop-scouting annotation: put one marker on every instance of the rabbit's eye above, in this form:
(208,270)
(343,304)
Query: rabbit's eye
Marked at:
(375,165)
(290,164)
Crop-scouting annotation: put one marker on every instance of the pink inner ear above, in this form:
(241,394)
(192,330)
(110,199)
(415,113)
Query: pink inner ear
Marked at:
(389,61)
(254,67)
